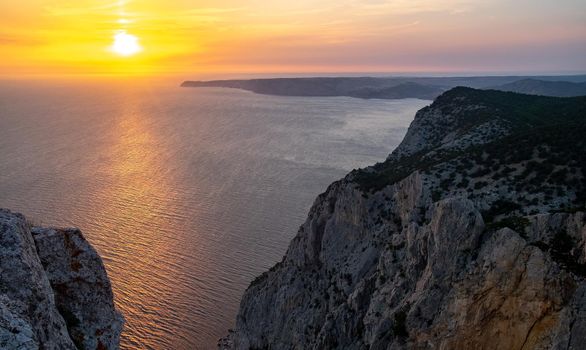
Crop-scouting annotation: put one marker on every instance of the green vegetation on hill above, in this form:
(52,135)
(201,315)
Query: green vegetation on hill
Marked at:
(519,109)
(544,156)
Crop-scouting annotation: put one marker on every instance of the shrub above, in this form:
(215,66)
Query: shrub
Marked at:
(515,223)
(400,325)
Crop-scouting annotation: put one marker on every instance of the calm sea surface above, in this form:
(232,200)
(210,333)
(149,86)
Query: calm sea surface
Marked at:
(186,193)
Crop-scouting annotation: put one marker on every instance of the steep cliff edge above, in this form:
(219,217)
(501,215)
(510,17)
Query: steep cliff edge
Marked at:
(54,291)
(471,235)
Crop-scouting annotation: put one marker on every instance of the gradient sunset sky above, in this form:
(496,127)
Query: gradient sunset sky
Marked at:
(187,37)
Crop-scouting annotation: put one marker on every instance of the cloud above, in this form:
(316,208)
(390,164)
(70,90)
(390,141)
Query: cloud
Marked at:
(408,7)
(19,40)
(68,10)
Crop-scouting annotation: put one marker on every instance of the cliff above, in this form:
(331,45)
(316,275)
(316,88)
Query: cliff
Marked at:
(54,291)
(471,235)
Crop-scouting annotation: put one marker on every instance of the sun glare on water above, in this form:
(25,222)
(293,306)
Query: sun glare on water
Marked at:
(125,44)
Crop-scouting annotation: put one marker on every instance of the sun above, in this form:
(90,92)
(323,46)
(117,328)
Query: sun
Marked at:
(125,44)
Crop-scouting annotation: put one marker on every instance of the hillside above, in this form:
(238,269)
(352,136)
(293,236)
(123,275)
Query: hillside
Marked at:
(545,88)
(471,235)
(403,90)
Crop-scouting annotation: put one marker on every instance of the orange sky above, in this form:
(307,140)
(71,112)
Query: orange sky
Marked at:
(187,37)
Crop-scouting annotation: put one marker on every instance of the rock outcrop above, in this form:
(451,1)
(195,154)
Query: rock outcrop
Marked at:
(471,235)
(54,291)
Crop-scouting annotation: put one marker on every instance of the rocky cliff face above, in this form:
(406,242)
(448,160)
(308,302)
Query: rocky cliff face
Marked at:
(471,235)
(54,291)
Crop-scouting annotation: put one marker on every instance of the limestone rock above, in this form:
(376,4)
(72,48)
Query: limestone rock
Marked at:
(82,289)
(28,305)
(53,290)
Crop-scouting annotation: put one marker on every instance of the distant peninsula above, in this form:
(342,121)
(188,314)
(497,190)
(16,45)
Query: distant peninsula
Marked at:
(427,88)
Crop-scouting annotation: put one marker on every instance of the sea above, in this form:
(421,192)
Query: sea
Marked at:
(186,193)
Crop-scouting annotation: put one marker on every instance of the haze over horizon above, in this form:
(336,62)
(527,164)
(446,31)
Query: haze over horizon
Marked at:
(203,38)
